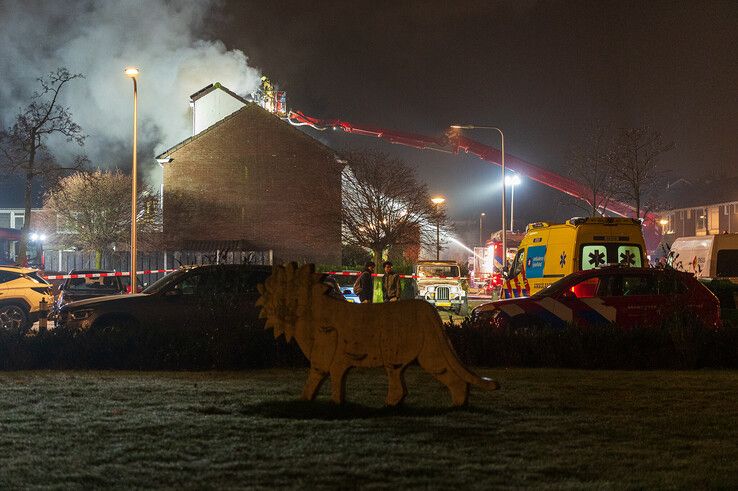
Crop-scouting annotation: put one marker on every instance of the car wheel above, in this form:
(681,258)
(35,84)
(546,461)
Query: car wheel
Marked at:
(14,318)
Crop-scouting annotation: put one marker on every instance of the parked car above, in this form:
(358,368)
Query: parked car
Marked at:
(74,289)
(627,297)
(440,283)
(336,291)
(21,292)
(196,295)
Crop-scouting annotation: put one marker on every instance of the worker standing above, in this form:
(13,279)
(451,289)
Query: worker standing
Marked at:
(390,283)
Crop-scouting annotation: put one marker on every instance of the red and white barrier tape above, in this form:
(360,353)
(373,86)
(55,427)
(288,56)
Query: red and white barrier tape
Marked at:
(157,271)
(406,276)
(104,275)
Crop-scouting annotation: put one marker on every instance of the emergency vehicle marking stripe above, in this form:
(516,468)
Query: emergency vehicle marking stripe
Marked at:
(511,310)
(607,312)
(557,308)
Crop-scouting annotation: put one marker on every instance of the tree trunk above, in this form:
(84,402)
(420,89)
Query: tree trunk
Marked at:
(22,258)
(377,256)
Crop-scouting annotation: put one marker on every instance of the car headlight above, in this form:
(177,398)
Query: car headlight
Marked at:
(431,289)
(81,314)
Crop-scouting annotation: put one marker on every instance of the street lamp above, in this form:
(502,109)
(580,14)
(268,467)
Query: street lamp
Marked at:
(481,216)
(438,201)
(502,163)
(133,73)
(512,181)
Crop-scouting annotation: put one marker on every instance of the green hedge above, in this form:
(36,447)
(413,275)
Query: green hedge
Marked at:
(676,344)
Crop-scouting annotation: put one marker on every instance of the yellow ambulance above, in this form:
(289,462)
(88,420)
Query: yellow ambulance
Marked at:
(550,251)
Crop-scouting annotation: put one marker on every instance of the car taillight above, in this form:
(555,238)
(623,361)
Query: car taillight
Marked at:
(43,290)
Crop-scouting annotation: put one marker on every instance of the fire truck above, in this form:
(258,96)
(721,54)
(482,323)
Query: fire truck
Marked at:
(9,239)
(487,264)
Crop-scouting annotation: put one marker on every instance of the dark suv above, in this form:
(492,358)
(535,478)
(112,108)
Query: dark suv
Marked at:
(197,295)
(87,285)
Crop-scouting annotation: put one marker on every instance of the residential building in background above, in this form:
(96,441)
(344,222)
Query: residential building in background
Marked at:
(247,179)
(700,207)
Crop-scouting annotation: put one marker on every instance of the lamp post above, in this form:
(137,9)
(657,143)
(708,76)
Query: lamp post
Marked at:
(438,201)
(481,216)
(502,164)
(133,73)
(512,181)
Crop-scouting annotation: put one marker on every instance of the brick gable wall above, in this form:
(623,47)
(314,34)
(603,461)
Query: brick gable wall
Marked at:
(257,179)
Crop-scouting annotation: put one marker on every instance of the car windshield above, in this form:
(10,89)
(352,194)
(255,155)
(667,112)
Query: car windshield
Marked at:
(37,278)
(163,282)
(436,271)
(106,284)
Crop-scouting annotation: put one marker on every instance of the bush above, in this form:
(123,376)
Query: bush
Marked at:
(679,343)
(151,348)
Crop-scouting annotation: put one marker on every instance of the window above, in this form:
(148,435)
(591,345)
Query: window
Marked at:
(689,214)
(727,263)
(633,285)
(681,215)
(629,255)
(667,284)
(517,264)
(18,221)
(5,220)
(188,285)
(586,288)
(594,256)
(713,220)
(6,276)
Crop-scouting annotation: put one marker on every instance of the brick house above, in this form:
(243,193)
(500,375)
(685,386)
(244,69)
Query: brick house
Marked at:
(247,179)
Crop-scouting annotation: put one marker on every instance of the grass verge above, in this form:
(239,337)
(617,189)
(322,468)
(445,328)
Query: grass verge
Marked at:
(545,428)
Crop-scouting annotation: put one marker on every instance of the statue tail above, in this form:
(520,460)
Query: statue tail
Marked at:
(455,364)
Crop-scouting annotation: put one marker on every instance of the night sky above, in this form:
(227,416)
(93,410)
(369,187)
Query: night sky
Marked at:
(543,71)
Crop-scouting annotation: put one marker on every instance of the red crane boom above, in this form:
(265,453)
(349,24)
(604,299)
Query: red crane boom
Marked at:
(454,143)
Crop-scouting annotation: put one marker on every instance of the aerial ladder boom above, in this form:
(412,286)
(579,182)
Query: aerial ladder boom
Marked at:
(454,143)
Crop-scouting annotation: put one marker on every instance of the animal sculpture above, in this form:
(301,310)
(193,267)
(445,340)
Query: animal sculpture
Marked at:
(336,336)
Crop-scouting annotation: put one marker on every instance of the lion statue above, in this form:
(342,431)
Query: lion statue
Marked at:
(336,335)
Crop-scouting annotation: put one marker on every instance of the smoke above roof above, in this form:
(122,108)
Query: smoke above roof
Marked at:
(99,39)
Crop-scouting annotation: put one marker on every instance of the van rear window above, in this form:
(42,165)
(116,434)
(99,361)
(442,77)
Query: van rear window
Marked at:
(727,263)
(598,255)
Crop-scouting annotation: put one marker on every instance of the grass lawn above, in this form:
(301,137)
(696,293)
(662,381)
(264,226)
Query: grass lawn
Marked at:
(553,428)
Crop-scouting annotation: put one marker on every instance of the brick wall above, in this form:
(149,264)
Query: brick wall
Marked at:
(255,178)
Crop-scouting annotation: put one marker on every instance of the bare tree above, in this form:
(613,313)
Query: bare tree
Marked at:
(383,205)
(590,164)
(23,145)
(92,211)
(634,167)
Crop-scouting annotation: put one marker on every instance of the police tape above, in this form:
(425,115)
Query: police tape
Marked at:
(105,275)
(158,271)
(406,276)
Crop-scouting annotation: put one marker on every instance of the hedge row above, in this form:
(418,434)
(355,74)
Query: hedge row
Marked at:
(678,344)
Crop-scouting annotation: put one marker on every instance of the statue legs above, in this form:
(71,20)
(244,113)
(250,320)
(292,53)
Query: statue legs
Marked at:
(338,383)
(312,385)
(396,390)
(434,364)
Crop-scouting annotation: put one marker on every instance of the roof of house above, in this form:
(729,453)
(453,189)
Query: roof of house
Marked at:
(700,192)
(215,86)
(250,106)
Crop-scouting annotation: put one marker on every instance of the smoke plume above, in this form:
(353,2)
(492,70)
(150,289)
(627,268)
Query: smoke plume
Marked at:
(100,38)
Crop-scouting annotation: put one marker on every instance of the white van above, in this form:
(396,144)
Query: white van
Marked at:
(707,256)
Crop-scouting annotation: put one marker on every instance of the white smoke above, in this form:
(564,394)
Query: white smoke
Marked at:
(101,38)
